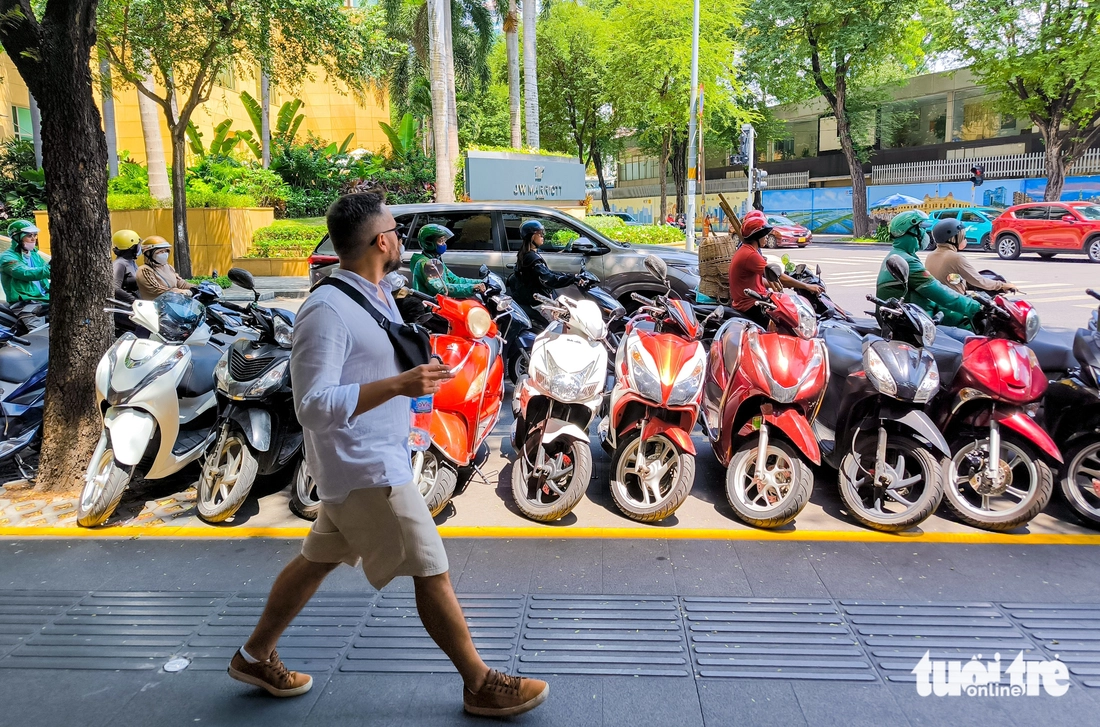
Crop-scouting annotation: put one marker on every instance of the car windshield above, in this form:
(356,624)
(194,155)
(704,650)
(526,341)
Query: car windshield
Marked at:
(1088,211)
(781,220)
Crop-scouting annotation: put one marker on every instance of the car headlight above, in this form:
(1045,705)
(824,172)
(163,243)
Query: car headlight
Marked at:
(879,373)
(929,385)
(1031,325)
(688,384)
(641,378)
(807,319)
(221,373)
(566,386)
(284,332)
(478,321)
(270,380)
(690,269)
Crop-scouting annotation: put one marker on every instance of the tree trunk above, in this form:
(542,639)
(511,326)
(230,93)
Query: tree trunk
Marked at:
(597,161)
(438,28)
(511,37)
(154,143)
(452,102)
(265,119)
(861,223)
(54,61)
(530,74)
(182,258)
(1054,164)
(662,177)
(678,160)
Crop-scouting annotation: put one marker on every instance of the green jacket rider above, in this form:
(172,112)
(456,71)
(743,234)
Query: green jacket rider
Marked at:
(433,243)
(922,289)
(24,271)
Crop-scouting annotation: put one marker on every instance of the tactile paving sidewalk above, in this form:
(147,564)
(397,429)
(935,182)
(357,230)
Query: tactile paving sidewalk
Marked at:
(133,510)
(543,634)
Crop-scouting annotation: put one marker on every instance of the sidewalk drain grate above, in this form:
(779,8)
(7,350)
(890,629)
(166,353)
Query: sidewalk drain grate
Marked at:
(774,638)
(1066,631)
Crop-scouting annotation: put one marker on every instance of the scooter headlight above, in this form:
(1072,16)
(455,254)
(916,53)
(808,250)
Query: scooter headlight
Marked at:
(222,379)
(641,378)
(807,319)
(1031,325)
(929,385)
(878,373)
(688,384)
(269,381)
(478,321)
(284,332)
(927,329)
(566,386)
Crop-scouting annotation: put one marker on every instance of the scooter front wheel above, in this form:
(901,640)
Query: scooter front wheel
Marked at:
(570,469)
(1025,488)
(771,496)
(104,483)
(1080,481)
(303,493)
(227,480)
(650,484)
(435,477)
(914,483)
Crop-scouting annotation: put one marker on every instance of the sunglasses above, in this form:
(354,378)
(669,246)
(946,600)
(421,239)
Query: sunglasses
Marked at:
(398,230)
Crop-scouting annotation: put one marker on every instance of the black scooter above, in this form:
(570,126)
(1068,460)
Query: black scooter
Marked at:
(872,426)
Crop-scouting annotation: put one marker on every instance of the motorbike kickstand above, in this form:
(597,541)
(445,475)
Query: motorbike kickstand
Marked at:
(28,472)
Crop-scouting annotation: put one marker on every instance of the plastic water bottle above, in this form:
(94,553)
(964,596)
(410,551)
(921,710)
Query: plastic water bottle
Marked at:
(421,421)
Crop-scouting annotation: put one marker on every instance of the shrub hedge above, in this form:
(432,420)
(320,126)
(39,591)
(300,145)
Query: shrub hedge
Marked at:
(286,238)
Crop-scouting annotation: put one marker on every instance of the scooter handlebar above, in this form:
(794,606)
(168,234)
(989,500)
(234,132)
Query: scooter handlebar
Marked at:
(1092,293)
(638,297)
(755,295)
(542,299)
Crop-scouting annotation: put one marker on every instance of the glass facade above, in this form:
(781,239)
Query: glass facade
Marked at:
(800,141)
(913,123)
(21,122)
(975,117)
(637,168)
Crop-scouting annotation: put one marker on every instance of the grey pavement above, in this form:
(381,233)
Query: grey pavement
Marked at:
(627,632)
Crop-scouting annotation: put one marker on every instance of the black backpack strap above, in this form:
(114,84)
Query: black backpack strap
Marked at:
(349,290)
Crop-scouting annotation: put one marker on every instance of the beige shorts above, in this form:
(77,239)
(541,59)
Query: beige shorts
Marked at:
(389,529)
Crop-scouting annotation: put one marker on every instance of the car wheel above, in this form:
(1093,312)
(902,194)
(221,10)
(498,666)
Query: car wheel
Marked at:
(1008,247)
(772,241)
(1093,249)
(985,243)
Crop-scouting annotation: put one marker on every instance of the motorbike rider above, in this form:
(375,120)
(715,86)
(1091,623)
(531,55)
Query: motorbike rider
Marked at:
(533,275)
(25,275)
(156,276)
(921,288)
(947,259)
(127,246)
(747,270)
(433,244)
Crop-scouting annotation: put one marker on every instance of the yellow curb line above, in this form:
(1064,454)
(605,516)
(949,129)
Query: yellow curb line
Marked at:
(573,533)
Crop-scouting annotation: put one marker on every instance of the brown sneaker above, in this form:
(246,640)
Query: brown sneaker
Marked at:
(504,695)
(271,675)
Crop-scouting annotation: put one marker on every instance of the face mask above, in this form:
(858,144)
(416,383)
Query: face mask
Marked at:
(28,246)
(161,258)
(441,248)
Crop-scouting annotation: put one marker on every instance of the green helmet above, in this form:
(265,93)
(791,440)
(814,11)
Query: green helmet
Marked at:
(907,222)
(18,228)
(432,236)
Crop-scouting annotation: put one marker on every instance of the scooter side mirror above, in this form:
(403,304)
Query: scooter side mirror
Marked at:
(483,271)
(954,279)
(773,272)
(656,266)
(242,278)
(898,268)
(434,270)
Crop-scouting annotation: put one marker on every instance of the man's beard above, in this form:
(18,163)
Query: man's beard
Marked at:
(392,263)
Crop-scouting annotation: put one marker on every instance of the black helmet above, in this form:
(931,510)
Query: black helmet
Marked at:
(178,316)
(944,231)
(529,228)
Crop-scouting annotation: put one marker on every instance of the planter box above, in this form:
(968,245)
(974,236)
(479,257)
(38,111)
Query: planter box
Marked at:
(217,236)
(282,267)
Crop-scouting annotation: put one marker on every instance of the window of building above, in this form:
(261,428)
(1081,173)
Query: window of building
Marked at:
(21,123)
(918,122)
(800,140)
(227,79)
(637,168)
(975,116)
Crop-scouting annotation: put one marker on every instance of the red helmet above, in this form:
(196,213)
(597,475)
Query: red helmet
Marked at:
(754,225)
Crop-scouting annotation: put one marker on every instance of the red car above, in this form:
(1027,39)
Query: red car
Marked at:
(786,232)
(1049,228)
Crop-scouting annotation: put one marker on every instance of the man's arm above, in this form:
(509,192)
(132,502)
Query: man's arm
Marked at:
(789,282)
(21,271)
(974,279)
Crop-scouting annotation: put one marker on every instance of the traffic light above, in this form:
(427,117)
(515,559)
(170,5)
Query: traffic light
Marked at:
(745,152)
(977,175)
(758,176)
(738,160)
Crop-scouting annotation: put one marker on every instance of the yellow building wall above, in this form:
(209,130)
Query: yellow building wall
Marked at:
(331,112)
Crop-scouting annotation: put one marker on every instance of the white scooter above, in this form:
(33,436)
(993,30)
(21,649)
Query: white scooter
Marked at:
(158,402)
(554,406)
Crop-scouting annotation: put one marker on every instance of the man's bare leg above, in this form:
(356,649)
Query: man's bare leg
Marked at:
(291,591)
(443,620)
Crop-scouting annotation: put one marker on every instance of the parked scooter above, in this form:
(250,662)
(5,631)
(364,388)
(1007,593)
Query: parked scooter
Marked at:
(554,406)
(659,370)
(467,407)
(157,399)
(258,431)
(872,425)
(762,389)
(24,362)
(1000,475)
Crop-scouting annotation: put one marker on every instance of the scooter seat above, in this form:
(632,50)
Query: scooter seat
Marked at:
(18,366)
(1054,349)
(845,348)
(199,378)
(864,326)
(948,353)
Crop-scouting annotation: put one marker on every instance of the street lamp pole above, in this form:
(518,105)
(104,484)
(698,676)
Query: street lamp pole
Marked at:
(693,147)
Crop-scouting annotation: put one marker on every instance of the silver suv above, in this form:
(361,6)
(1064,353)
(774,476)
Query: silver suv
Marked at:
(488,234)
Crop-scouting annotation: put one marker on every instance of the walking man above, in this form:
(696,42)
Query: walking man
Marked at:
(353,403)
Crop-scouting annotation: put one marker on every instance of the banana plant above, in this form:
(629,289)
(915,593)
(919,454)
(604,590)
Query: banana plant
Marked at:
(288,121)
(402,139)
(223,143)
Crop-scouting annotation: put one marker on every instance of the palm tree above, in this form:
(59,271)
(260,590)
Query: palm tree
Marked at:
(511,37)
(444,105)
(154,144)
(530,74)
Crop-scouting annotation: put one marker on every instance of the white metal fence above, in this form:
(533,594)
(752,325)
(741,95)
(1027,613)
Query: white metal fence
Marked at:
(795,180)
(954,170)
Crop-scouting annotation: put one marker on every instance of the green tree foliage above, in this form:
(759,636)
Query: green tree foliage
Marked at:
(189,44)
(1043,58)
(22,183)
(842,50)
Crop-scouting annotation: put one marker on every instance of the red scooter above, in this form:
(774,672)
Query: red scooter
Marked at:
(762,390)
(1001,476)
(659,368)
